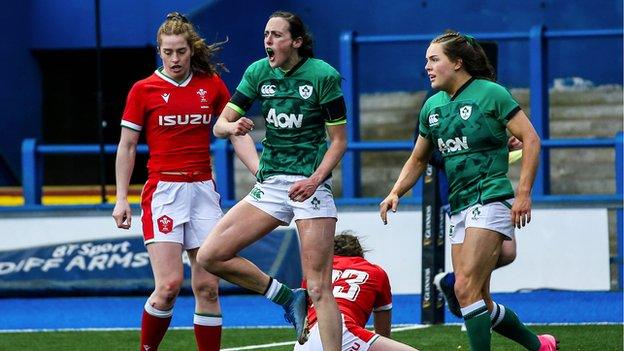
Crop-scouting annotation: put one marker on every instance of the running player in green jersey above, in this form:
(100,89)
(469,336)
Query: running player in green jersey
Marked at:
(468,122)
(301,102)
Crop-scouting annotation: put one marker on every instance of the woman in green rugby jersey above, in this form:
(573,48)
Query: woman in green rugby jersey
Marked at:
(468,120)
(301,102)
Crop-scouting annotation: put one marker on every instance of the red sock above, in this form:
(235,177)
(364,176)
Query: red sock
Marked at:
(207,332)
(154,325)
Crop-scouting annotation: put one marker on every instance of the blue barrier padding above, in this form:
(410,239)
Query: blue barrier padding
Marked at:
(121,266)
(542,306)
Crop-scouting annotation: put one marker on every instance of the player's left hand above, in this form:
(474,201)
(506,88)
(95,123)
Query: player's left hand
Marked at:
(390,203)
(302,190)
(521,211)
(514,143)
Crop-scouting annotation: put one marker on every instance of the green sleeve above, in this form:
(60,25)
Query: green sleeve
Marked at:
(248,85)
(330,86)
(505,105)
(423,121)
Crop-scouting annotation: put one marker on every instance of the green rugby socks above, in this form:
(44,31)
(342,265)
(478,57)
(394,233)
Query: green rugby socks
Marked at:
(477,320)
(278,292)
(506,323)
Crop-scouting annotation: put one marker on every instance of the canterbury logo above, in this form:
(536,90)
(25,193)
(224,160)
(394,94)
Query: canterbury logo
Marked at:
(268,90)
(433,119)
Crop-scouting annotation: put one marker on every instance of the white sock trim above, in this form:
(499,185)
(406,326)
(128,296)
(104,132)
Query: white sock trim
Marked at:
(494,311)
(273,289)
(208,321)
(501,315)
(475,306)
(151,310)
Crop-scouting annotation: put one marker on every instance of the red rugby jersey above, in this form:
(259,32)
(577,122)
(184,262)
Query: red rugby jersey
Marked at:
(360,287)
(176,118)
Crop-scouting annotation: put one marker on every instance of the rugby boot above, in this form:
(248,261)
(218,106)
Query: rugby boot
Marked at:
(549,343)
(297,314)
(445,283)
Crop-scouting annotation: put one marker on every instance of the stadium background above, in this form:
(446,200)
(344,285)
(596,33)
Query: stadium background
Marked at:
(48,93)
(48,89)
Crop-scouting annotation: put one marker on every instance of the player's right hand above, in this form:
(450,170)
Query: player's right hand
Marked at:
(241,126)
(391,202)
(122,214)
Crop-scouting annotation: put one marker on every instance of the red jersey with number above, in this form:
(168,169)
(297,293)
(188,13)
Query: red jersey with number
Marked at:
(360,288)
(176,118)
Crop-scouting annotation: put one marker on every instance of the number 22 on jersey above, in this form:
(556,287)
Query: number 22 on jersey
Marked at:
(347,283)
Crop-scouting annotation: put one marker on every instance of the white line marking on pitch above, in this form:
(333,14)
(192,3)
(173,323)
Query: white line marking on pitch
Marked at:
(264,346)
(286,343)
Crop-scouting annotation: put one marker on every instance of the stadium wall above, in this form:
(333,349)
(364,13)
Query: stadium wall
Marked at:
(69,24)
(565,248)
(20,91)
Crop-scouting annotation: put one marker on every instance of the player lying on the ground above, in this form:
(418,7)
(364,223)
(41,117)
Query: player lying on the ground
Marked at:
(360,288)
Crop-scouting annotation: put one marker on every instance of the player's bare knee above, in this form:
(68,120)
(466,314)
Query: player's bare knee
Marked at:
(465,289)
(203,256)
(206,292)
(315,294)
(168,290)
(317,291)
(208,259)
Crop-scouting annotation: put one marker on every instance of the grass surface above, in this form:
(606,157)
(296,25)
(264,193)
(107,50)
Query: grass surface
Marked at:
(572,337)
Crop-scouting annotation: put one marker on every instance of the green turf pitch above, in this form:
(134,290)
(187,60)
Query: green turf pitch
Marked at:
(573,337)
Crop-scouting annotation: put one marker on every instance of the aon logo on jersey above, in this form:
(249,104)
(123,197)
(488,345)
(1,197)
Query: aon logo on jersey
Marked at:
(283,120)
(453,145)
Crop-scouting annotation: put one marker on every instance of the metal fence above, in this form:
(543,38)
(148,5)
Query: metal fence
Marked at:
(32,152)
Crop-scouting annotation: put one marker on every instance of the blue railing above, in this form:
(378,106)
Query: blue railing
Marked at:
(538,38)
(32,153)
(223,157)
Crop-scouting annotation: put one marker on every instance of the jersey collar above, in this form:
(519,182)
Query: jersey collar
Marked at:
(159,72)
(292,70)
(296,67)
(462,88)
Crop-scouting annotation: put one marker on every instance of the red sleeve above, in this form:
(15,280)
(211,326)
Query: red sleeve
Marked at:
(383,301)
(134,112)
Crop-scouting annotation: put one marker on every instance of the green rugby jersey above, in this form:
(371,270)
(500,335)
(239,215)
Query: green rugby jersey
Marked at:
(295,118)
(469,129)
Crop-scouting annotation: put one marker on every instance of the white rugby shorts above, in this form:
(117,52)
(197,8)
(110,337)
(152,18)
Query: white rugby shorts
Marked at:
(354,338)
(271,196)
(180,212)
(494,216)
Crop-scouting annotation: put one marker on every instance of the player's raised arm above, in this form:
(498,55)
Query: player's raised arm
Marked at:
(411,171)
(231,122)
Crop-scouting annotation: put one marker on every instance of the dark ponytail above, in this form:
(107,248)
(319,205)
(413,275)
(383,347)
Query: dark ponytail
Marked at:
(346,243)
(458,46)
(297,30)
